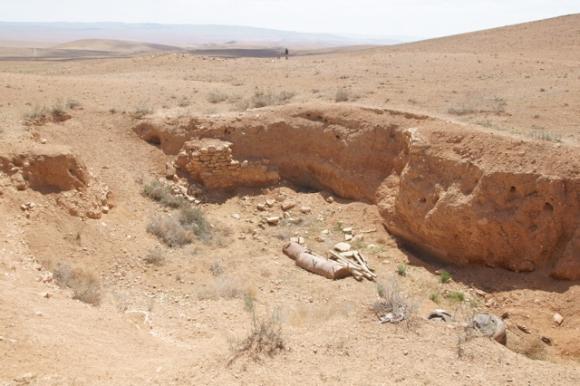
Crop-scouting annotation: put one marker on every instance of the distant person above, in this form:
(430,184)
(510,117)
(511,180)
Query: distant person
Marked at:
(286,53)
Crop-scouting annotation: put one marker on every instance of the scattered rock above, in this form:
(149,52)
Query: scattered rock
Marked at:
(27,206)
(347,230)
(18,181)
(330,199)
(170,171)
(236,216)
(306,209)
(547,340)
(261,207)
(298,240)
(274,220)
(523,328)
(558,319)
(270,203)
(287,205)
(343,247)
(45,295)
(347,237)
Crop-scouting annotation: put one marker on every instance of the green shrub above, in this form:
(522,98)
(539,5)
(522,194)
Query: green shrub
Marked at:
(445,277)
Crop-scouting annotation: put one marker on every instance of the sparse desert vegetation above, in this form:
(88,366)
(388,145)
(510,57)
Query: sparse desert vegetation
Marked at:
(85,285)
(149,195)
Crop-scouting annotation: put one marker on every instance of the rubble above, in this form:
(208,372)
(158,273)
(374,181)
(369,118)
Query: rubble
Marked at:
(491,326)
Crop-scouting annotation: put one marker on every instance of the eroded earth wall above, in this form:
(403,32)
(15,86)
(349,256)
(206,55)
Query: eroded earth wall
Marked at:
(460,194)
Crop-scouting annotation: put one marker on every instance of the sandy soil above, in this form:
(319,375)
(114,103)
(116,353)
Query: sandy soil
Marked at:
(175,323)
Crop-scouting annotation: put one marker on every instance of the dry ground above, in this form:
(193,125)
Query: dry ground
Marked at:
(174,323)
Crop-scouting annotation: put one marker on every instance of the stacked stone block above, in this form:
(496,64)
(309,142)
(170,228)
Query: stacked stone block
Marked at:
(210,162)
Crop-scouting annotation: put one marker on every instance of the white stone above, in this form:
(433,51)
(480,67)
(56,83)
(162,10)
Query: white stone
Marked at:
(558,319)
(343,247)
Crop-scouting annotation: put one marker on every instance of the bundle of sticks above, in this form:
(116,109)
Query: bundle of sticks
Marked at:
(356,263)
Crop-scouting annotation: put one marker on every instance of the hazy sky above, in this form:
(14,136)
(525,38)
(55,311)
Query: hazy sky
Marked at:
(422,18)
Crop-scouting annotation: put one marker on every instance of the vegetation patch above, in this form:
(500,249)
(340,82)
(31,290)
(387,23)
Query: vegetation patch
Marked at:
(181,228)
(263,339)
(161,193)
(85,285)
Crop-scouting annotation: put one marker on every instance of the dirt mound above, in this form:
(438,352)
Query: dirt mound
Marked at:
(459,194)
(56,170)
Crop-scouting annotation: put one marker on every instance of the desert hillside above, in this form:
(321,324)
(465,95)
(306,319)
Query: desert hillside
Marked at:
(560,35)
(162,212)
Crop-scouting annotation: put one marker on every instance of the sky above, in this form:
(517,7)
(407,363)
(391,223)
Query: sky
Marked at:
(410,18)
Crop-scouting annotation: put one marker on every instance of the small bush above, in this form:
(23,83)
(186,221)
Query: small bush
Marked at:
(264,338)
(402,269)
(73,104)
(461,111)
(268,98)
(42,115)
(169,230)
(58,113)
(141,112)
(393,304)
(223,287)
(539,133)
(184,102)
(216,269)
(193,218)
(215,97)
(155,257)
(435,297)
(85,285)
(181,228)
(456,296)
(342,95)
(162,193)
(445,277)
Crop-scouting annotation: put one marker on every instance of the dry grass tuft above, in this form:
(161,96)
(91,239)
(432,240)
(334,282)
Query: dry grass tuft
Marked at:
(393,306)
(42,115)
(181,228)
(162,193)
(85,285)
(215,97)
(265,98)
(264,338)
(155,257)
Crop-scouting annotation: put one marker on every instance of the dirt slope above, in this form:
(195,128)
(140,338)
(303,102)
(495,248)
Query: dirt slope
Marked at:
(560,35)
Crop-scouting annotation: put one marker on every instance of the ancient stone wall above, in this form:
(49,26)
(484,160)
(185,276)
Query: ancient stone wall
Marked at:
(210,162)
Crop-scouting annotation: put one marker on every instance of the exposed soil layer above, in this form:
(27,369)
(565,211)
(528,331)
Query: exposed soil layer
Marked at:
(462,195)
(55,170)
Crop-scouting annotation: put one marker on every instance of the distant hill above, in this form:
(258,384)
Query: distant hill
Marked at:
(115,46)
(193,36)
